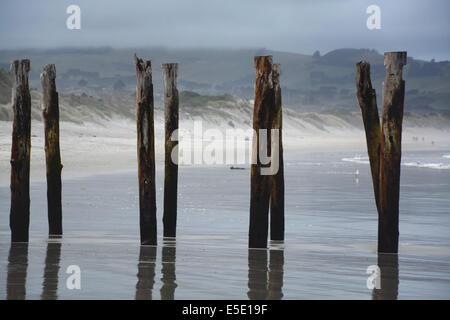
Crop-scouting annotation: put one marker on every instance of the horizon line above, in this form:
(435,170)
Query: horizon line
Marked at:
(212,48)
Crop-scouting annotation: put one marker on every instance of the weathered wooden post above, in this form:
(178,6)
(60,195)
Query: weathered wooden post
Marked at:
(384,144)
(277,180)
(367,99)
(260,184)
(169,72)
(20,152)
(145,151)
(52,150)
(390,151)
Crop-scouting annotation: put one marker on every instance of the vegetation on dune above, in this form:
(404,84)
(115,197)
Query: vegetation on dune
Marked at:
(193,99)
(5,86)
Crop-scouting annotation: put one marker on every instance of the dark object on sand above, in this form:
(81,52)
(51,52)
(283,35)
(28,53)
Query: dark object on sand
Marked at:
(169,72)
(146,151)
(52,151)
(384,144)
(264,185)
(277,180)
(20,152)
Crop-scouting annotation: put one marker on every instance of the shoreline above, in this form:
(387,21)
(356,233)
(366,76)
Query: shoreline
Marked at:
(90,149)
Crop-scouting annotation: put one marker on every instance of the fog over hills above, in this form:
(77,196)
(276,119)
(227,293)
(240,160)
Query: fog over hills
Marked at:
(96,84)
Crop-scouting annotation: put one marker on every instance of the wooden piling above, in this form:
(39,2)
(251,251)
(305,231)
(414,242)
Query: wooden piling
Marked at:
(367,99)
(277,180)
(390,152)
(260,184)
(52,149)
(169,72)
(20,152)
(384,143)
(146,151)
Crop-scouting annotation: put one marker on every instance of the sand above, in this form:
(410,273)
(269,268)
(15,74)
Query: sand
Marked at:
(110,147)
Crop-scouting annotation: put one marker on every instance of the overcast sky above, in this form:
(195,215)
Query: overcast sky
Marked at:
(421,27)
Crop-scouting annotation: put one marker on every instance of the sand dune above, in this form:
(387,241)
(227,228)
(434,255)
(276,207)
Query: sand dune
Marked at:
(99,135)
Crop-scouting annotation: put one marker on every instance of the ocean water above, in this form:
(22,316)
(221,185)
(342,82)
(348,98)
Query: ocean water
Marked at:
(331,236)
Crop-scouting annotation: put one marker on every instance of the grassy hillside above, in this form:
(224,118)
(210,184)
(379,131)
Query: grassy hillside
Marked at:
(78,108)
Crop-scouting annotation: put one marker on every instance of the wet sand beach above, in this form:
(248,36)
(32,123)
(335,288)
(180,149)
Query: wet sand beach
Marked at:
(331,236)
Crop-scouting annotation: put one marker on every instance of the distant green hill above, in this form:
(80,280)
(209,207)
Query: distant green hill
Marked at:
(309,82)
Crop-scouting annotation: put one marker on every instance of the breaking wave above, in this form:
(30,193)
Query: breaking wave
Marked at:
(357,159)
(418,164)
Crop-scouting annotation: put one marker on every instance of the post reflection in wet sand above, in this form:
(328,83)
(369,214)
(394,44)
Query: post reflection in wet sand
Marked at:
(17,271)
(265,282)
(146,273)
(168,270)
(388,264)
(52,265)
(276,265)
